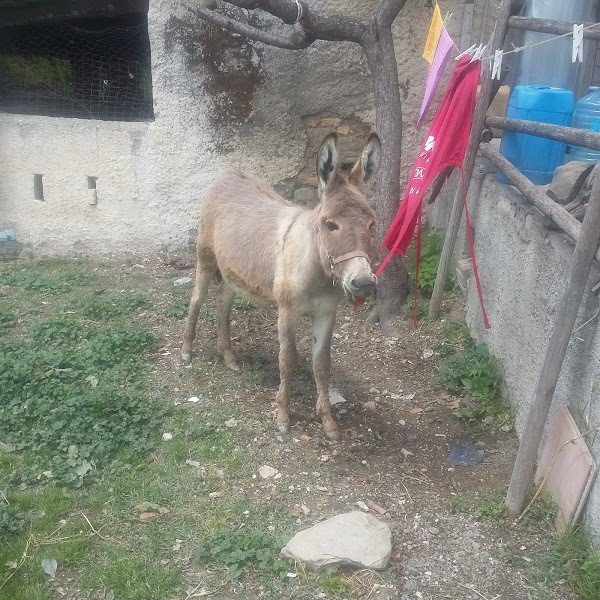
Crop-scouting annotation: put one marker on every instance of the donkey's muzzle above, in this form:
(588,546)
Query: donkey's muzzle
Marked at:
(362,287)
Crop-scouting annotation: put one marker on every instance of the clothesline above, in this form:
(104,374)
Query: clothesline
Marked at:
(532,45)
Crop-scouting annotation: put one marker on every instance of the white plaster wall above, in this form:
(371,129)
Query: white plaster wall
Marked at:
(152,176)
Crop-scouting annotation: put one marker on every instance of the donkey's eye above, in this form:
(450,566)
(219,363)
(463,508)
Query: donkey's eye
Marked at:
(372,227)
(331,225)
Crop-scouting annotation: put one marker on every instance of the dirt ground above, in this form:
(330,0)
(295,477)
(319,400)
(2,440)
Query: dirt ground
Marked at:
(397,426)
(398,429)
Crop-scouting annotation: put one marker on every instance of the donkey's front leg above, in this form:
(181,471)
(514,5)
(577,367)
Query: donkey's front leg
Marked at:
(322,327)
(288,357)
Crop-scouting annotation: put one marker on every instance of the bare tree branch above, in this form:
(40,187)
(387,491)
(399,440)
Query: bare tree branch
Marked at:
(296,41)
(388,11)
(333,28)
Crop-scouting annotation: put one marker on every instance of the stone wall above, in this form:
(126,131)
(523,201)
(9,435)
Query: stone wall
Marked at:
(523,268)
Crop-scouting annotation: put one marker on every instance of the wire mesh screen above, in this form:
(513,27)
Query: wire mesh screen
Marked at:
(96,69)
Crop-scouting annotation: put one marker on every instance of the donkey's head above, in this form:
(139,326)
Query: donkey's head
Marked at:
(346,221)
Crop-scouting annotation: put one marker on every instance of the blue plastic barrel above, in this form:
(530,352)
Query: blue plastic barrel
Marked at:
(536,157)
(587,116)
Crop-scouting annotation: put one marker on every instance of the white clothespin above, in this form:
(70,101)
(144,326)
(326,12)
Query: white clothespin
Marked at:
(468,51)
(479,52)
(497,66)
(577,43)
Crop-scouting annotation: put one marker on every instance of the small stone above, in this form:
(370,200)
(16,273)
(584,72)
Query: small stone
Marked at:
(215,494)
(362,505)
(267,472)
(231,423)
(335,397)
(167,436)
(434,530)
(193,399)
(182,281)
(427,353)
(370,405)
(505,428)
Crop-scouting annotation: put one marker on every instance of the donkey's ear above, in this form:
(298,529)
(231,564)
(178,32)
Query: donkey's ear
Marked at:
(365,170)
(327,160)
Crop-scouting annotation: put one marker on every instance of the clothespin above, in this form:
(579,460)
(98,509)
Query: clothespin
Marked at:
(577,43)
(468,51)
(479,52)
(497,66)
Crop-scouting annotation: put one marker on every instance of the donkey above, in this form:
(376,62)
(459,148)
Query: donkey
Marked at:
(254,242)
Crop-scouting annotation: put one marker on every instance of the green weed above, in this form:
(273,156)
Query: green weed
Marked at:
(331,582)
(45,282)
(111,306)
(477,373)
(241,549)
(573,559)
(487,506)
(12,519)
(431,250)
(75,402)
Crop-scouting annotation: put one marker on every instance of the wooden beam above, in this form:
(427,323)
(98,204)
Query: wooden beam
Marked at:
(485,98)
(564,322)
(37,12)
(565,221)
(569,135)
(554,27)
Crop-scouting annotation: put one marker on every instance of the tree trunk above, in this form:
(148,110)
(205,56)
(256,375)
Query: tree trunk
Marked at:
(377,41)
(392,288)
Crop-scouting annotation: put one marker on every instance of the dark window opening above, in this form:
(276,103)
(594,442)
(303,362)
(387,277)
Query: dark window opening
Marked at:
(38,187)
(89,69)
(91,181)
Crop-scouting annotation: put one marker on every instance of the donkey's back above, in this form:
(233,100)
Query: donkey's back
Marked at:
(242,226)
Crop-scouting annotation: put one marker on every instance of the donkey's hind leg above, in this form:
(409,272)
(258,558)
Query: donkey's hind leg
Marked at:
(205,271)
(225,297)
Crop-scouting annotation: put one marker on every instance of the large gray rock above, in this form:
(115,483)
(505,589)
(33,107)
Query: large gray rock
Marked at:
(356,539)
(568,180)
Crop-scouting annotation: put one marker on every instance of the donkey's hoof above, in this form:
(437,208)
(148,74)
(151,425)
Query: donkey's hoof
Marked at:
(233,367)
(283,428)
(186,358)
(332,435)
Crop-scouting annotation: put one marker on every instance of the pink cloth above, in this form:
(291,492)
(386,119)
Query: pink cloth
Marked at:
(435,73)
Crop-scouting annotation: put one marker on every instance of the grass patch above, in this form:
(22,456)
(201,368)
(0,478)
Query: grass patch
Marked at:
(242,549)
(485,506)
(477,373)
(76,400)
(331,582)
(101,307)
(431,250)
(572,558)
(489,506)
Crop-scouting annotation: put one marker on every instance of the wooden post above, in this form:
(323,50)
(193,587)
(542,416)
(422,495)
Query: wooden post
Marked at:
(467,26)
(496,41)
(568,307)
(569,135)
(553,26)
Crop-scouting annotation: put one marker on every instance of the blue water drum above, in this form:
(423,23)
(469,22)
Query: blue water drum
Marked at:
(587,116)
(536,157)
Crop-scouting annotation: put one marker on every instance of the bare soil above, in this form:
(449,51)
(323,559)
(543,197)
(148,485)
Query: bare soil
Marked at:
(398,429)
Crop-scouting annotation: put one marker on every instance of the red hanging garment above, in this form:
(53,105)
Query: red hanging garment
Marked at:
(444,148)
